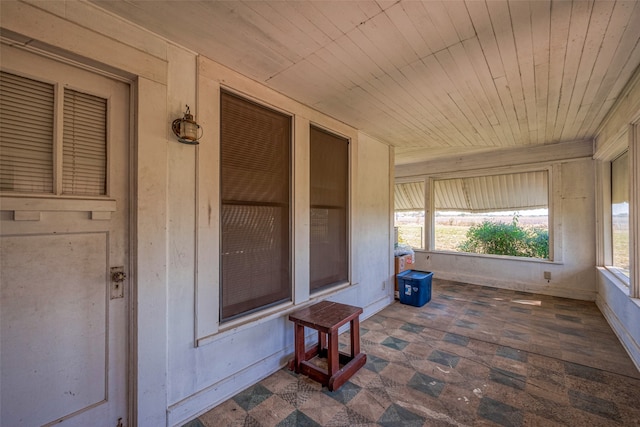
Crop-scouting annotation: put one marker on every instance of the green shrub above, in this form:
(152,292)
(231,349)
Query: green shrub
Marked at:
(499,238)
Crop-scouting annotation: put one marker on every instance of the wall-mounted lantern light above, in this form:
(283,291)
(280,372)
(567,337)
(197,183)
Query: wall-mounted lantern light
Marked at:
(186,129)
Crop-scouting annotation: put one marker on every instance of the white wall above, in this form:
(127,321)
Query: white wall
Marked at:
(573,219)
(183,367)
(615,299)
(209,361)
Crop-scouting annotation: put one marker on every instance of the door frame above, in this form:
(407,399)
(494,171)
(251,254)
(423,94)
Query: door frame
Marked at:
(132,155)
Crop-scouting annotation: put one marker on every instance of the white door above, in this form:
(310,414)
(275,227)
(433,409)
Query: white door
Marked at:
(64,225)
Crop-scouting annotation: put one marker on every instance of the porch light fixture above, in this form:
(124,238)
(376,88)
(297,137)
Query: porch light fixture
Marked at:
(186,129)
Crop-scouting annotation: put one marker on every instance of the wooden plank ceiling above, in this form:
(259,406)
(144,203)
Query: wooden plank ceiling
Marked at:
(431,78)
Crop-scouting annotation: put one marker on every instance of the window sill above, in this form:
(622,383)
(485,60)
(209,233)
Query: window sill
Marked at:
(500,257)
(281,310)
(617,279)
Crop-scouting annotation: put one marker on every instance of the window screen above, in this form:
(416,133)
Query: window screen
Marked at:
(255,152)
(329,159)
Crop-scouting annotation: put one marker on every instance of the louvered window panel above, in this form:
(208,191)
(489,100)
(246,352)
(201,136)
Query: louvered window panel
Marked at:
(84,167)
(26,134)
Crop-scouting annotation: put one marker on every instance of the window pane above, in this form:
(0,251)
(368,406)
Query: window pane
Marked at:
(255,181)
(620,213)
(26,135)
(494,214)
(329,163)
(409,213)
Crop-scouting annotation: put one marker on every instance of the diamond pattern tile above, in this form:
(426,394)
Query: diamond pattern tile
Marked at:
(473,356)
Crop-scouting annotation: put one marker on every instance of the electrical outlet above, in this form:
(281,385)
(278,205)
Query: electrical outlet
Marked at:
(547,275)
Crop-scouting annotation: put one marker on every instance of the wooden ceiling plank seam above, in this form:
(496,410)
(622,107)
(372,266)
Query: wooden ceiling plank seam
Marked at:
(598,23)
(489,45)
(378,90)
(471,76)
(442,22)
(618,22)
(481,67)
(558,40)
(323,59)
(476,99)
(384,36)
(521,16)
(384,90)
(460,19)
(437,119)
(347,17)
(355,52)
(578,26)
(237,20)
(282,30)
(449,109)
(406,28)
(309,18)
(371,51)
(486,36)
(311,82)
(504,93)
(466,104)
(421,20)
(614,72)
(345,67)
(541,29)
(354,57)
(371,9)
(418,73)
(395,103)
(427,120)
(501,20)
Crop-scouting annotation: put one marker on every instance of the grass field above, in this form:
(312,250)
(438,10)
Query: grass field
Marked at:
(448,237)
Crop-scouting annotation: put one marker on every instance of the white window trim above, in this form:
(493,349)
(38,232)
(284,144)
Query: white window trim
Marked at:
(604,241)
(425,222)
(554,207)
(634,212)
(211,79)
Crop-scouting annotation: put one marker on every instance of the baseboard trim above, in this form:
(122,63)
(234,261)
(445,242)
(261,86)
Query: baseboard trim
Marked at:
(627,341)
(546,289)
(208,398)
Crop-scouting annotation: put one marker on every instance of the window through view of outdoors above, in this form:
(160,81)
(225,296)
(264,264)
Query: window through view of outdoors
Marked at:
(503,214)
(620,213)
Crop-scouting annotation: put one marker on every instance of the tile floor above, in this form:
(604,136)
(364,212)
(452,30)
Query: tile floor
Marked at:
(473,356)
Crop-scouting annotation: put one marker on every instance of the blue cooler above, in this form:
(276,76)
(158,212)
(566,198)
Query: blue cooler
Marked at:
(414,287)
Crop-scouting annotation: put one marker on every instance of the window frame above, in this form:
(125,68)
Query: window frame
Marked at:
(425,182)
(289,209)
(609,241)
(552,205)
(347,211)
(57,197)
(211,80)
(622,142)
